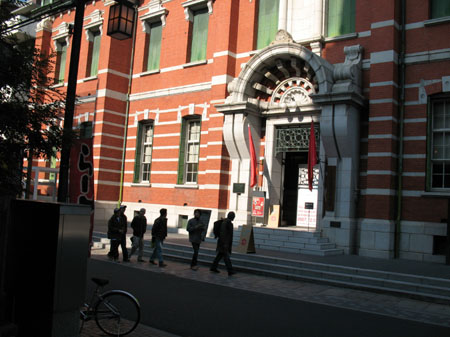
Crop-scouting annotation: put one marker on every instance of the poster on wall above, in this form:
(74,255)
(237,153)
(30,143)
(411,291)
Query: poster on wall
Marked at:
(81,187)
(307,200)
(258,206)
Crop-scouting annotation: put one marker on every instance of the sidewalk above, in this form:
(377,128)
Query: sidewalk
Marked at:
(393,265)
(359,300)
(90,329)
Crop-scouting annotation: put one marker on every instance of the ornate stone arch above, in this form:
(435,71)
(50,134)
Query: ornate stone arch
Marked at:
(288,59)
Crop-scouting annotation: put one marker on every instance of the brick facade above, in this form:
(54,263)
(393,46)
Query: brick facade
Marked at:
(179,90)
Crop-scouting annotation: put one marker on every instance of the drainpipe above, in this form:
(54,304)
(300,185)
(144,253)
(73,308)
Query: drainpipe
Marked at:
(401,112)
(127,109)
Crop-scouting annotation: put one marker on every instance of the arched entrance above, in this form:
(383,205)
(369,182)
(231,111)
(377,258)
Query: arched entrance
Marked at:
(280,91)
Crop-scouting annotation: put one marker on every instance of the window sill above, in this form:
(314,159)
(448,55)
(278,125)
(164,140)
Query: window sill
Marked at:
(190,186)
(341,37)
(193,64)
(151,72)
(87,79)
(436,194)
(141,185)
(58,85)
(437,21)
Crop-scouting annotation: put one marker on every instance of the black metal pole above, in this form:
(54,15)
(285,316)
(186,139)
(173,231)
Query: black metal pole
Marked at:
(70,102)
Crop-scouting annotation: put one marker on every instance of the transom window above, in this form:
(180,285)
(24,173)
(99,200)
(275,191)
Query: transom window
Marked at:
(267,22)
(341,17)
(199,35)
(153,46)
(440,143)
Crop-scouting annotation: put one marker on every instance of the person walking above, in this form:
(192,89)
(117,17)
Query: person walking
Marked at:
(196,230)
(115,234)
(123,238)
(224,244)
(139,225)
(159,233)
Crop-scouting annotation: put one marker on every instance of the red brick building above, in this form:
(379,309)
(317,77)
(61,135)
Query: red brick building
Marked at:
(169,113)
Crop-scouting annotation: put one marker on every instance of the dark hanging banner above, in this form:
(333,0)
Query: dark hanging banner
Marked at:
(81,187)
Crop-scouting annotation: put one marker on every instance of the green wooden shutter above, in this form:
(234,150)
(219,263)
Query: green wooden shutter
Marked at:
(137,159)
(199,35)
(154,46)
(440,8)
(95,53)
(267,22)
(341,17)
(62,62)
(181,153)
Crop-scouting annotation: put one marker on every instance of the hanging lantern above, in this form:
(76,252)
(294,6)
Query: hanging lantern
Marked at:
(121,20)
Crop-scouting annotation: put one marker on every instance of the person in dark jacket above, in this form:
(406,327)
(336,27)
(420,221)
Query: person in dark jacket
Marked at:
(196,230)
(123,238)
(115,231)
(159,233)
(139,225)
(224,244)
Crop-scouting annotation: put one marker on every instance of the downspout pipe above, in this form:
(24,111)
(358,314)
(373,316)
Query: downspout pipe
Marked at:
(401,113)
(127,109)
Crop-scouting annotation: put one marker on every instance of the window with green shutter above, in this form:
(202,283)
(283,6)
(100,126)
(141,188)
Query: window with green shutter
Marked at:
(267,22)
(189,151)
(95,45)
(341,17)
(144,149)
(199,37)
(439,8)
(154,46)
(438,158)
(60,67)
(86,130)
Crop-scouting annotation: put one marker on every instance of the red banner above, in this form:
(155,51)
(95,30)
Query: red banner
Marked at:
(81,187)
(253,166)
(312,156)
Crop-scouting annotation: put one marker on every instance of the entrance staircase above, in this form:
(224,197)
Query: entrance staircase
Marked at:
(291,240)
(433,289)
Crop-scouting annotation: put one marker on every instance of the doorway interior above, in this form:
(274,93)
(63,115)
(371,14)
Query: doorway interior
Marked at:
(291,162)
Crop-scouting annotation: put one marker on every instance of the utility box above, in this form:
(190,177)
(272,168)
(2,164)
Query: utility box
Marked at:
(45,266)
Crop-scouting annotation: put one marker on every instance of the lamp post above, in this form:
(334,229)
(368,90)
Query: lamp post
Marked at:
(121,22)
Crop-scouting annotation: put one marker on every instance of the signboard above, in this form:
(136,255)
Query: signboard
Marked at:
(246,241)
(258,206)
(238,188)
(306,207)
(81,187)
(274,216)
(306,200)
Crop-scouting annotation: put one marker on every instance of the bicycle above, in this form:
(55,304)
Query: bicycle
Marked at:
(116,312)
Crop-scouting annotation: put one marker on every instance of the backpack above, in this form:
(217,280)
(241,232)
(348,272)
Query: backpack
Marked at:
(216,229)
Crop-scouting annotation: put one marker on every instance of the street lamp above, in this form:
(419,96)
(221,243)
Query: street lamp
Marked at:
(121,21)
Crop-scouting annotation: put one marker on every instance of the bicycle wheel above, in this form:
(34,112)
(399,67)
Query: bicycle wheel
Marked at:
(117,313)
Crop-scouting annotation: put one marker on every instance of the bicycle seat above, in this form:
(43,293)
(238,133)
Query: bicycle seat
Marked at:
(100,282)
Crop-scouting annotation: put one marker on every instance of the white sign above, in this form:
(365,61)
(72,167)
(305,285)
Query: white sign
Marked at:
(306,200)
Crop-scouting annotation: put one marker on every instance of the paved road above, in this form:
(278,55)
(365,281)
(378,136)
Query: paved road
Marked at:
(192,308)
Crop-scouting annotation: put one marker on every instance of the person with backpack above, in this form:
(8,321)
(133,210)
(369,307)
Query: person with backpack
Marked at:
(224,244)
(159,233)
(139,225)
(196,229)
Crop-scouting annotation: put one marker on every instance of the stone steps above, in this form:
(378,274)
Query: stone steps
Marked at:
(420,287)
(291,241)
